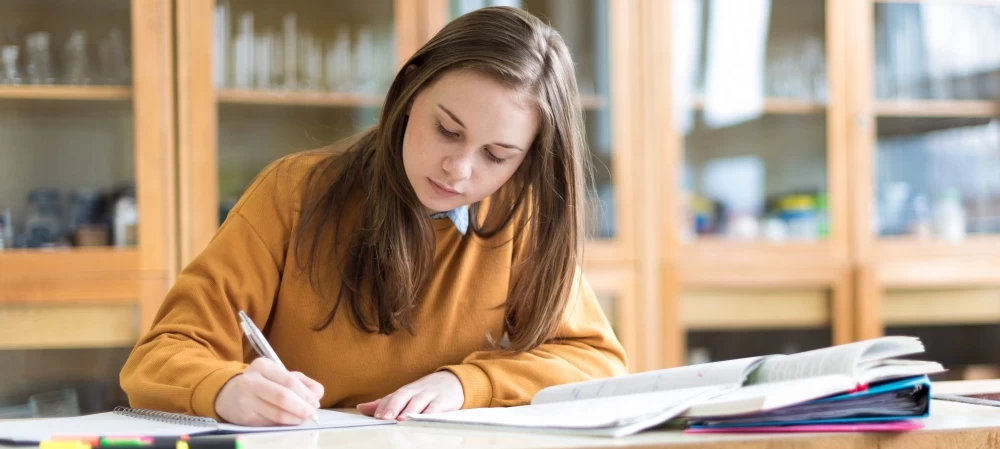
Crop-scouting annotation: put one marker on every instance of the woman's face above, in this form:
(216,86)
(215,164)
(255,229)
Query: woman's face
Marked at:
(466,136)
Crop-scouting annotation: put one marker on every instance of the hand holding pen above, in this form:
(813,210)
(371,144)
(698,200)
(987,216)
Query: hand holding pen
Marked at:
(267,393)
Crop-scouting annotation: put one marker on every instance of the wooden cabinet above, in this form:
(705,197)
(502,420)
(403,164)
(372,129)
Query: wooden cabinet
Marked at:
(814,171)
(86,170)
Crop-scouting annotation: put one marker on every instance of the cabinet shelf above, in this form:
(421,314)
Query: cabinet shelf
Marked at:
(63,261)
(333,99)
(76,275)
(937,108)
(711,262)
(297,98)
(782,106)
(91,93)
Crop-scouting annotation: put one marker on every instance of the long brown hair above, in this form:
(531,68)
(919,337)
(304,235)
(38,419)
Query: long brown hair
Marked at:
(386,257)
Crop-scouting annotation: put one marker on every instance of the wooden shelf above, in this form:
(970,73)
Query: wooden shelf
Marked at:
(297,98)
(51,326)
(334,99)
(91,93)
(75,275)
(738,264)
(937,108)
(62,261)
(757,309)
(908,247)
(782,106)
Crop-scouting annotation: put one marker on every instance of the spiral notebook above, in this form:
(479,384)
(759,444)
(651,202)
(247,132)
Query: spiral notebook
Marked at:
(125,421)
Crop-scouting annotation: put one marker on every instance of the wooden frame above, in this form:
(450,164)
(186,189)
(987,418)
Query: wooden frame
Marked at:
(140,275)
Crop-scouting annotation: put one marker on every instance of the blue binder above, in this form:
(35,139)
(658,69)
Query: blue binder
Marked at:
(890,401)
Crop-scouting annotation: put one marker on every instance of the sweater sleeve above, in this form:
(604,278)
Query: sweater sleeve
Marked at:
(195,344)
(585,348)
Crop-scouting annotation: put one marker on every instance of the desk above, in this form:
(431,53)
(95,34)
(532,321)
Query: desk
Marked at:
(951,425)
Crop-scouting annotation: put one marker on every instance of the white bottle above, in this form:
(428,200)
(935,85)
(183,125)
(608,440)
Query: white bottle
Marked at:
(125,220)
(949,217)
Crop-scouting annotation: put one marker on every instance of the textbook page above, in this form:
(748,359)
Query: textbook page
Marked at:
(843,359)
(726,373)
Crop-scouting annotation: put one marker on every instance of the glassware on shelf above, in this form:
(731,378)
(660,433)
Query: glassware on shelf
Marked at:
(112,52)
(338,61)
(38,68)
(75,68)
(8,58)
(351,59)
(43,218)
(796,68)
(6,229)
(364,66)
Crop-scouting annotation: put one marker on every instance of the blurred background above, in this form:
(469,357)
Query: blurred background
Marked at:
(772,176)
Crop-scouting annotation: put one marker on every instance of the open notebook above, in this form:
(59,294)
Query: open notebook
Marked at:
(627,404)
(131,421)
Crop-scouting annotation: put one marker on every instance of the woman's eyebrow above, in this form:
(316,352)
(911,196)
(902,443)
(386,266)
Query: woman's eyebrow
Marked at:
(499,144)
(450,114)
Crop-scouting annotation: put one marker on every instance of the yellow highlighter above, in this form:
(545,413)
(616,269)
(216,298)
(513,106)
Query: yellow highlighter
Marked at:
(64,445)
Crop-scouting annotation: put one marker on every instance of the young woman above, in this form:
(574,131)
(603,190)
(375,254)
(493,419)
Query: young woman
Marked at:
(428,264)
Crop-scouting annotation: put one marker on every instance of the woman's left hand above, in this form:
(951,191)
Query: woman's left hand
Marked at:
(438,392)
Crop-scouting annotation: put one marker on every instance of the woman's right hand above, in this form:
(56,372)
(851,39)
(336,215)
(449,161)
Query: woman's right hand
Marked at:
(267,395)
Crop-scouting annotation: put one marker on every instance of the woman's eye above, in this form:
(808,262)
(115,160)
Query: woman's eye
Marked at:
(445,132)
(492,157)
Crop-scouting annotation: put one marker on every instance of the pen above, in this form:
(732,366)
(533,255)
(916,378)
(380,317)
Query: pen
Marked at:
(260,345)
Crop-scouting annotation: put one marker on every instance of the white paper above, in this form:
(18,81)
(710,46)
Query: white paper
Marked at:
(726,373)
(328,419)
(104,424)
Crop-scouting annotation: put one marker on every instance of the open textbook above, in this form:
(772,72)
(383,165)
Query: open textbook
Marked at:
(714,392)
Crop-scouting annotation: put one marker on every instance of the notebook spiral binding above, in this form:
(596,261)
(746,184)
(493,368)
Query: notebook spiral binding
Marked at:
(165,417)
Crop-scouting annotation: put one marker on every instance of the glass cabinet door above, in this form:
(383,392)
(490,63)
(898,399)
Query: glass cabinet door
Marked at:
(585,26)
(282,77)
(751,93)
(67,154)
(754,157)
(936,160)
(86,211)
(929,179)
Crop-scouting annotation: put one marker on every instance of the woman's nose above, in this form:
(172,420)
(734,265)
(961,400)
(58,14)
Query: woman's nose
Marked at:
(458,166)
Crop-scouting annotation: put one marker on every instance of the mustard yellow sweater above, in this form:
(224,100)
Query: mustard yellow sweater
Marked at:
(195,345)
